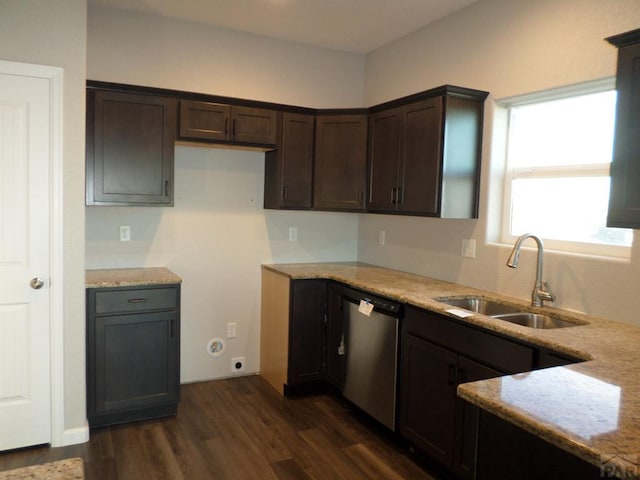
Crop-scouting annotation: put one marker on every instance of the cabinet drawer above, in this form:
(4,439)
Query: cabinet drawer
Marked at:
(497,352)
(135,300)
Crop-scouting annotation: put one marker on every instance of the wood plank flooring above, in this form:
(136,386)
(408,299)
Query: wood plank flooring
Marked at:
(238,429)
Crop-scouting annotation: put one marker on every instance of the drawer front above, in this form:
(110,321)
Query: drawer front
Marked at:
(497,352)
(136,300)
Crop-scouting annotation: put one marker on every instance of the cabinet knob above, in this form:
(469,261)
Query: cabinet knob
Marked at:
(36,283)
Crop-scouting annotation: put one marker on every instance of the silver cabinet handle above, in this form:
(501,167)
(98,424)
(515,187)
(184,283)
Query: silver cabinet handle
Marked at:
(36,283)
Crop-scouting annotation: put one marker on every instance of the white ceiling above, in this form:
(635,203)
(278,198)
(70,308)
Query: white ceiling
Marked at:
(351,25)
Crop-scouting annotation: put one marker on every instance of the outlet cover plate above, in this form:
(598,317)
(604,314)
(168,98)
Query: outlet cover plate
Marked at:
(238,364)
(469,248)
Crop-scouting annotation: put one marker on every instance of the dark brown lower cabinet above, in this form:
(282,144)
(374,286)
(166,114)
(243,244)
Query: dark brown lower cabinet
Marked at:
(133,353)
(466,431)
(506,452)
(434,419)
(307,332)
(436,356)
(428,395)
(334,373)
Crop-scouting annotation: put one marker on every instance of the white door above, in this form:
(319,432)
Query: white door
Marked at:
(25,152)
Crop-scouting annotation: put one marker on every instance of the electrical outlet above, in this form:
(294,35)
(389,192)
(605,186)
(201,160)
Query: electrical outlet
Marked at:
(231,329)
(382,234)
(125,233)
(293,234)
(468,248)
(237,364)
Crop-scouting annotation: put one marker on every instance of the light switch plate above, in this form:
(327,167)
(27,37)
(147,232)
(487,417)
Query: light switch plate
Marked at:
(382,237)
(231,330)
(293,234)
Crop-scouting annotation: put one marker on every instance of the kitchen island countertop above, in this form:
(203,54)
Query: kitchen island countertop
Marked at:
(590,409)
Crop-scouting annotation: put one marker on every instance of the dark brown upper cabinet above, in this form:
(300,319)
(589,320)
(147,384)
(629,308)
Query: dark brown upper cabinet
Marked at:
(288,174)
(340,162)
(425,153)
(624,199)
(130,149)
(217,122)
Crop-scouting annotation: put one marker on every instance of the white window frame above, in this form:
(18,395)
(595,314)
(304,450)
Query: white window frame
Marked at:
(591,170)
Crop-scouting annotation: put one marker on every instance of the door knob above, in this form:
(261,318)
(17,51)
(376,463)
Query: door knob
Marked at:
(36,283)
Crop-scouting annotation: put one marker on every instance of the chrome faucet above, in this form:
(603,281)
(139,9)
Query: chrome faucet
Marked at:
(541,290)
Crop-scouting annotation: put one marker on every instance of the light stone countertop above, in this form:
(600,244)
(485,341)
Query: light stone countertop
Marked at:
(69,469)
(129,277)
(590,409)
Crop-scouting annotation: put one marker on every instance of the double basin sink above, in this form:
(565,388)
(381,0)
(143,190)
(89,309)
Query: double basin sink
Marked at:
(508,313)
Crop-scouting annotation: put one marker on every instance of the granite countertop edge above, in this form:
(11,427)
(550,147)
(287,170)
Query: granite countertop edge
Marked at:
(608,349)
(130,277)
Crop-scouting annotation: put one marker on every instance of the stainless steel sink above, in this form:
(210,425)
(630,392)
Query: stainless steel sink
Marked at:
(535,320)
(508,313)
(481,305)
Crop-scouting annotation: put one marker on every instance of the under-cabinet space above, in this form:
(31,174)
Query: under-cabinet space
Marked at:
(227,123)
(130,149)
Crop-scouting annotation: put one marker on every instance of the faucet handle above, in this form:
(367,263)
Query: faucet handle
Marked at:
(545,293)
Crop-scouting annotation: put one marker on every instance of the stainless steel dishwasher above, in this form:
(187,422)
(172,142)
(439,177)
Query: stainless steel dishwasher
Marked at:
(371,353)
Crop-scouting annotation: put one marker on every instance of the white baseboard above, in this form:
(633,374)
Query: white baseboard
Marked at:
(72,436)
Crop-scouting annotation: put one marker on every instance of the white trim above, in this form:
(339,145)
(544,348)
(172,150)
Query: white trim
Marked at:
(555,171)
(560,93)
(58,432)
(56,307)
(504,236)
(73,436)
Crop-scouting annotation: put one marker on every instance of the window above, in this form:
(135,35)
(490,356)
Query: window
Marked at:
(559,148)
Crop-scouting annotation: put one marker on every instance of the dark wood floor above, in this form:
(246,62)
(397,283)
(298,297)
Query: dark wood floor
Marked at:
(238,429)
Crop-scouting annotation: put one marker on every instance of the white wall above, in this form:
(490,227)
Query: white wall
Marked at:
(150,50)
(53,32)
(507,48)
(217,235)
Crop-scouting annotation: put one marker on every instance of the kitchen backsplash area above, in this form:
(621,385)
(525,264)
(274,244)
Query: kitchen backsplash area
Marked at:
(216,237)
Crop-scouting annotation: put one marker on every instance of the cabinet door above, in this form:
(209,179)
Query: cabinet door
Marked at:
(335,337)
(422,158)
(254,125)
(204,120)
(385,133)
(288,175)
(135,361)
(306,331)
(624,200)
(130,148)
(340,162)
(464,452)
(506,452)
(428,397)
